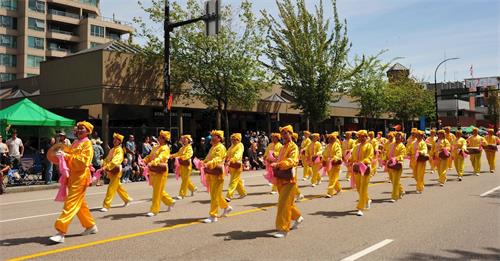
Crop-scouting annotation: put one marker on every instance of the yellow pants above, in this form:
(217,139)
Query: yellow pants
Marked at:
(459,165)
(286,206)
(158,181)
(362,183)
(397,188)
(491,157)
(449,163)
(216,199)
(432,164)
(235,183)
(307,170)
(316,176)
(475,159)
(75,205)
(418,174)
(374,167)
(442,167)
(334,184)
(115,186)
(186,183)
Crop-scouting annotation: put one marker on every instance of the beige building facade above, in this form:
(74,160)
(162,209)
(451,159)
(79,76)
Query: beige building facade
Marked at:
(32,31)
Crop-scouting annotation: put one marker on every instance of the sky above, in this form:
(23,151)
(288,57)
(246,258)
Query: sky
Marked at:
(422,33)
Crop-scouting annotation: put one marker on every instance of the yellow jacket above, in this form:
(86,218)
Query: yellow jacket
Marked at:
(396,150)
(347,145)
(491,140)
(184,153)
(333,151)
(114,158)
(159,155)
(440,145)
(288,157)
(421,148)
(450,137)
(275,148)
(305,143)
(235,153)
(459,144)
(314,149)
(475,141)
(216,156)
(409,145)
(362,153)
(79,158)
(387,147)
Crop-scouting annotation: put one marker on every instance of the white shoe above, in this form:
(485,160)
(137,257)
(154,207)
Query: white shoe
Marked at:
(242,196)
(459,178)
(492,171)
(477,174)
(150,214)
(178,198)
(103,210)
(297,222)
(328,196)
(171,206)
(392,200)
(227,211)
(432,172)
(270,184)
(192,192)
(90,230)
(313,185)
(360,213)
(273,192)
(58,238)
(304,179)
(227,199)
(441,184)
(279,234)
(210,220)
(369,204)
(419,192)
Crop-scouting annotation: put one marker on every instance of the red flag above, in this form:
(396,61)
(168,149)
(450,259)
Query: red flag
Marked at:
(169,103)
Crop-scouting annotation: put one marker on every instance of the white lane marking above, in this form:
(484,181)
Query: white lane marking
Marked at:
(368,250)
(489,191)
(43,199)
(57,213)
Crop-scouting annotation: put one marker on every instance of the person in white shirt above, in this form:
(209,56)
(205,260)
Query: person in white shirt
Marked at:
(3,146)
(63,139)
(16,149)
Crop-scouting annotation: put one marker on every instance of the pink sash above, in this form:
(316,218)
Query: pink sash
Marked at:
(145,168)
(199,165)
(63,180)
(269,170)
(97,175)
(177,169)
(347,157)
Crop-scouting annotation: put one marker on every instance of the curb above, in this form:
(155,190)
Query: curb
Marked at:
(18,189)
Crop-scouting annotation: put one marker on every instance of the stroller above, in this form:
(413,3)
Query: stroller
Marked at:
(28,173)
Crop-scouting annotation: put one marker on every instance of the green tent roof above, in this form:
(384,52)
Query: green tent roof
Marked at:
(27,113)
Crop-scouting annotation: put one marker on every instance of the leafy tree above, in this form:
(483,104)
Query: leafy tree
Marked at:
(222,71)
(308,55)
(368,87)
(493,105)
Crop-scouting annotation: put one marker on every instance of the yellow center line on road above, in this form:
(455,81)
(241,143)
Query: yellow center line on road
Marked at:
(157,230)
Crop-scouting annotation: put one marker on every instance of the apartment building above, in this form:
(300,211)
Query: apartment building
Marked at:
(32,31)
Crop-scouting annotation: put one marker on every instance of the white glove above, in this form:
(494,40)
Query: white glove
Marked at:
(60,153)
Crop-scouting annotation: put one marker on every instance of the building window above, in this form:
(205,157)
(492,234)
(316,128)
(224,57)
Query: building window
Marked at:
(8,60)
(31,74)
(36,24)
(37,6)
(97,30)
(35,42)
(8,22)
(8,41)
(89,2)
(7,77)
(34,61)
(94,44)
(8,4)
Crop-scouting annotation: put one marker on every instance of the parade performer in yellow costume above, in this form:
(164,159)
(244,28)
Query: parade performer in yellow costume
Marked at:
(272,151)
(385,155)
(314,152)
(440,153)
(157,163)
(332,160)
(113,167)
(376,150)
(458,152)
(474,144)
(185,166)
(490,148)
(347,146)
(286,182)
(362,154)
(451,139)
(419,157)
(431,143)
(396,152)
(300,196)
(234,161)
(409,148)
(78,159)
(303,148)
(214,164)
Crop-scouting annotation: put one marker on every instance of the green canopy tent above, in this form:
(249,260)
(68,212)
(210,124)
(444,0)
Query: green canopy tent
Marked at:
(27,113)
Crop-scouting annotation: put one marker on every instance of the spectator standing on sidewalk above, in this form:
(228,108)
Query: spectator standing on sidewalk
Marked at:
(130,149)
(63,139)
(98,156)
(16,149)
(49,166)
(5,166)
(146,147)
(3,146)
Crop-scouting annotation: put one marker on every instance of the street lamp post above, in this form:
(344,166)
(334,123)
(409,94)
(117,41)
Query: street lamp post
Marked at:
(435,89)
(458,119)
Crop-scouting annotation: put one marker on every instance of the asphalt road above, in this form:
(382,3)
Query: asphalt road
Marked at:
(444,223)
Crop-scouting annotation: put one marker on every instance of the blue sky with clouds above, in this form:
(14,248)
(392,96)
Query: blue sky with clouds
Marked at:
(423,32)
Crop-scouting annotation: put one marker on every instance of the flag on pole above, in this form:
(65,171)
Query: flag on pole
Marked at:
(471,70)
(169,103)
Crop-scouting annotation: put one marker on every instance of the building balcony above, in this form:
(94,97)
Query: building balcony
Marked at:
(117,26)
(62,35)
(64,17)
(57,52)
(90,5)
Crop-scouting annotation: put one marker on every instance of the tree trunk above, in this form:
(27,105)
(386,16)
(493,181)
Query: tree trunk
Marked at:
(307,122)
(218,115)
(365,119)
(226,124)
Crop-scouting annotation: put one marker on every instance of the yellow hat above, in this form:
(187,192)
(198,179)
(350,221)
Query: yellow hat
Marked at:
(118,137)
(371,133)
(288,128)
(87,125)
(315,135)
(420,133)
(348,133)
(276,135)
(295,136)
(187,136)
(447,128)
(414,130)
(362,133)
(332,135)
(306,132)
(458,131)
(390,135)
(379,132)
(475,129)
(433,131)
(491,130)
(236,136)
(165,135)
(441,132)
(218,133)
